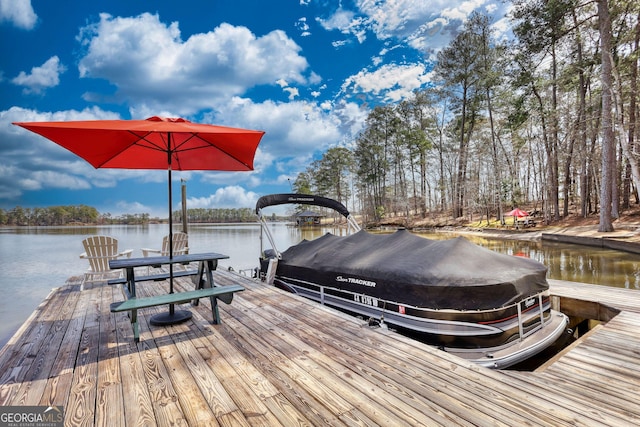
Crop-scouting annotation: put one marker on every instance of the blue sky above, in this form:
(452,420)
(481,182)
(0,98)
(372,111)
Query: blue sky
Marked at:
(306,72)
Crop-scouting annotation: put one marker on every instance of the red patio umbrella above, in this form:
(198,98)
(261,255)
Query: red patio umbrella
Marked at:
(155,143)
(517,212)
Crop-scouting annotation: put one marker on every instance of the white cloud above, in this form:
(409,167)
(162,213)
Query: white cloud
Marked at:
(227,197)
(346,22)
(31,162)
(186,76)
(427,26)
(9,176)
(391,82)
(402,18)
(339,43)
(295,131)
(503,26)
(303,27)
(19,12)
(461,11)
(52,179)
(341,20)
(351,116)
(132,208)
(292,91)
(41,78)
(292,128)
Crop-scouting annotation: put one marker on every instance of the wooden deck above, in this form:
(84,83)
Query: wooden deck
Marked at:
(277,359)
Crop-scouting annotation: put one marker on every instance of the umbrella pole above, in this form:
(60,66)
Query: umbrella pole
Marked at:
(172,316)
(171,307)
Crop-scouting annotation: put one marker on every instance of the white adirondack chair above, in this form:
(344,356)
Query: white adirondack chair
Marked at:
(180,246)
(99,250)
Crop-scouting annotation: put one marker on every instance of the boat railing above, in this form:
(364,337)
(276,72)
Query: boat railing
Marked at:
(352,227)
(541,310)
(264,230)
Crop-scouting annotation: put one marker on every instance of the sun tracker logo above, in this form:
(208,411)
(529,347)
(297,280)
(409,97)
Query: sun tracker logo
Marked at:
(31,416)
(356,281)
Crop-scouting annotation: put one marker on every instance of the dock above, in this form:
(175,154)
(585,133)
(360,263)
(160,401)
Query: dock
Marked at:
(279,359)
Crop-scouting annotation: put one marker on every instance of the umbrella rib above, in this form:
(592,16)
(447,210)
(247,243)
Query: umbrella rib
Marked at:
(153,145)
(177,147)
(226,152)
(136,142)
(206,143)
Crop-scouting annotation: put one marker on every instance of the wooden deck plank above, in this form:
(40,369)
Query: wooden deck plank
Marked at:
(237,395)
(395,365)
(295,353)
(619,298)
(605,389)
(284,413)
(20,354)
(613,411)
(586,392)
(37,372)
(80,407)
(299,399)
(246,396)
(263,359)
(138,408)
(61,375)
(182,368)
(284,361)
(109,400)
(164,398)
(278,359)
(484,387)
(393,360)
(181,374)
(207,392)
(446,380)
(358,366)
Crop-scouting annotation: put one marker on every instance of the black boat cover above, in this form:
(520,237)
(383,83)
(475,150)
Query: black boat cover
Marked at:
(412,270)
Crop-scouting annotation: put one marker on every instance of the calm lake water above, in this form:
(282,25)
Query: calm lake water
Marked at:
(35,260)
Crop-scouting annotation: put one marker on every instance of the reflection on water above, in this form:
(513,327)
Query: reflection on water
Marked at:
(33,260)
(575,263)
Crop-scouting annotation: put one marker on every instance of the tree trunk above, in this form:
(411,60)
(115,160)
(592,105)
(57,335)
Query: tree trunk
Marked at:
(632,168)
(458,201)
(608,152)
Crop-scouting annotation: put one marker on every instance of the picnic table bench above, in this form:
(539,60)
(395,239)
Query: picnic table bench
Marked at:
(525,222)
(154,277)
(202,278)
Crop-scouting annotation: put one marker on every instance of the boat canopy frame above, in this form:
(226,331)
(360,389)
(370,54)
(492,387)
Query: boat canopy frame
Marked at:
(299,199)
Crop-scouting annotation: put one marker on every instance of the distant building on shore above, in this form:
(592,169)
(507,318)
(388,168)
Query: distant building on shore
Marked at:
(308,218)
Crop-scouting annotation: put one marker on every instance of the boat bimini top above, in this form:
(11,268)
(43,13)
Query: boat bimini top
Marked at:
(299,199)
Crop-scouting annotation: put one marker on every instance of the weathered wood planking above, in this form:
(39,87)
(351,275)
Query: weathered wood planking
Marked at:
(278,359)
(615,298)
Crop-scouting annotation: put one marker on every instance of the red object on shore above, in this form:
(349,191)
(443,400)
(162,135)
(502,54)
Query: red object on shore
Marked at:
(517,212)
